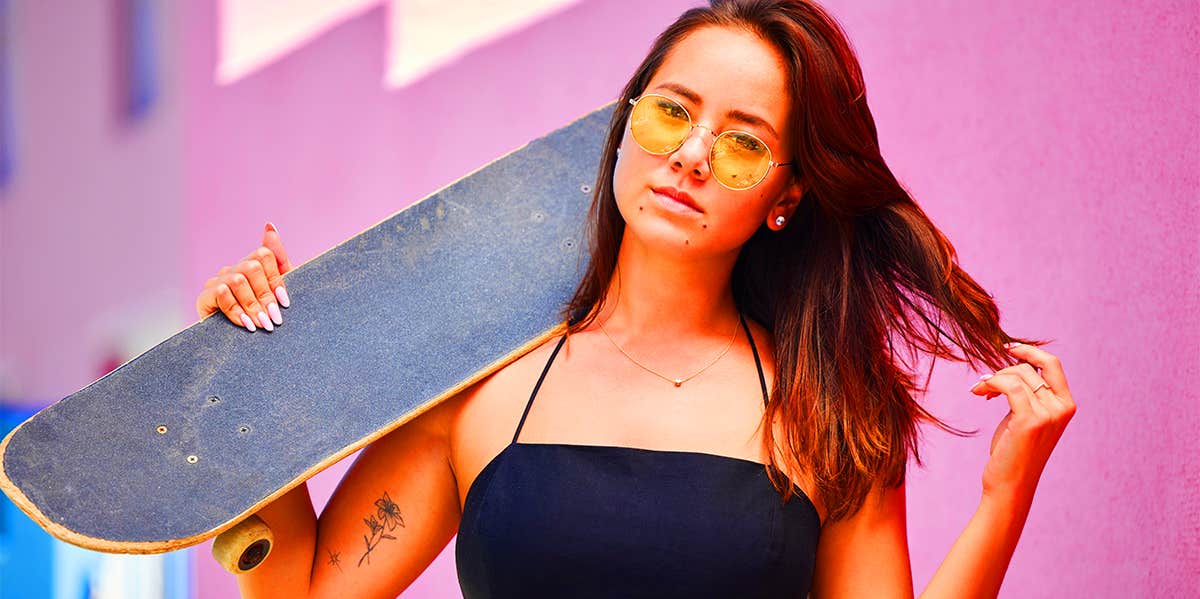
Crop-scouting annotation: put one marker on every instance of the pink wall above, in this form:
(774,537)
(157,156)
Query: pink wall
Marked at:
(1057,144)
(91,223)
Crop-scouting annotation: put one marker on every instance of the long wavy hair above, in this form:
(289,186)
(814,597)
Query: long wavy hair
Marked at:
(855,289)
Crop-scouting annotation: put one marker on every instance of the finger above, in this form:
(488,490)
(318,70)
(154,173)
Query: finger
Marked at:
(240,285)
(273,242)
(984,391)
(217,297)
(256,274)
(1011,386)
(206,304)
(228,303)
(270,265)
(1052,370)
(1043,397)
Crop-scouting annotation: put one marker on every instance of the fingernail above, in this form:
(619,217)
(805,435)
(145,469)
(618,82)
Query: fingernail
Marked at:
(246,322)
(282,296)
(273,309)
(266,322)
(271,226)
(981,379)
(1011,344)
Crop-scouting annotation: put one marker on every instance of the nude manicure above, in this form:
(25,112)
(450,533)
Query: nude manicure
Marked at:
(282,296)
(246,322)
(981,379)
(264,321)
(273,310)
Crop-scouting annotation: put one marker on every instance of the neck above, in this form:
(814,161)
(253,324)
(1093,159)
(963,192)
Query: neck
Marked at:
(669,296)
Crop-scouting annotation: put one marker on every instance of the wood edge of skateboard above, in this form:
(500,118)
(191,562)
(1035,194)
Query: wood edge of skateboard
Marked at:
(137,547)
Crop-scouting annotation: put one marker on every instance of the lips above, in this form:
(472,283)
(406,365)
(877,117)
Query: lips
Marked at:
(678,196)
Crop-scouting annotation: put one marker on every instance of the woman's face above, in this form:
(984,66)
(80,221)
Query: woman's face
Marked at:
(726,79)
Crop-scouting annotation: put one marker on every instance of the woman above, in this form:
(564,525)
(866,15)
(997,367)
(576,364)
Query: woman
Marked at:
(745,229)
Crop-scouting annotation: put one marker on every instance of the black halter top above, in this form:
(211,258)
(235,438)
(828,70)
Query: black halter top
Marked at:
(561,520)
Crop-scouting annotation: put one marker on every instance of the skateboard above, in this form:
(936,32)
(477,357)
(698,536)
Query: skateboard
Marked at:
(190,438)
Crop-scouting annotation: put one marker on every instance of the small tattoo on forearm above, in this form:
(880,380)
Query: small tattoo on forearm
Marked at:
(385,519)
(335,559)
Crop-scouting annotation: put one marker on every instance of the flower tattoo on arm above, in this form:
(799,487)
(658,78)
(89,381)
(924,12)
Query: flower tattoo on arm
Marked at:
(385,519)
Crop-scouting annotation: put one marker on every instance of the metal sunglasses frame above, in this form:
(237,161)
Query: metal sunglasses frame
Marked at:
(693,125)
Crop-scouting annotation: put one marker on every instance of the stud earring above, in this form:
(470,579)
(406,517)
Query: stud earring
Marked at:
(779,220)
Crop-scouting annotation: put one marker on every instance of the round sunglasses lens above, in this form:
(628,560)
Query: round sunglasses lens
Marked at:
(740,160)
(658,124)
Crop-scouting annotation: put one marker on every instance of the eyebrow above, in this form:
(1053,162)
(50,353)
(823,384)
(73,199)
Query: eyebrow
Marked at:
(737,115)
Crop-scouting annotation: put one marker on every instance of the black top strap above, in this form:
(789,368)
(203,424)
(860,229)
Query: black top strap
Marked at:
(762,380)
(537,386)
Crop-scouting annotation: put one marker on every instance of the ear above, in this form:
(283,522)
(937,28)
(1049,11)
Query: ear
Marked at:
(785,206)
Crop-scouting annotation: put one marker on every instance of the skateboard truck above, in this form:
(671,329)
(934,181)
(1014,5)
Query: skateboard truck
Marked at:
(243,547)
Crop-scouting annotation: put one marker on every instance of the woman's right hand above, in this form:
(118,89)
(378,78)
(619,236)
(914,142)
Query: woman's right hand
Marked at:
(250,292)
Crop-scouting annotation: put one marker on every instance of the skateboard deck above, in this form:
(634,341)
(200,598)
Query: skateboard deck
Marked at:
(202,430)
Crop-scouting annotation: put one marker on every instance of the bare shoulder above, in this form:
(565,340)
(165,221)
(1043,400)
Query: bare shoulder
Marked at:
(479,421)
(489,398)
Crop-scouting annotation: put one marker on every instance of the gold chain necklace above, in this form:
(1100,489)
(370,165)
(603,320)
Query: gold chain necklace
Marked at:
(681,381)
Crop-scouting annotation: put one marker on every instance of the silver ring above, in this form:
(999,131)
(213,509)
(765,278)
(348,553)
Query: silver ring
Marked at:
(1043,384)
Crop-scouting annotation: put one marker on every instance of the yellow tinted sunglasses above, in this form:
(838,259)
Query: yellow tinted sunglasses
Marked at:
(738,160)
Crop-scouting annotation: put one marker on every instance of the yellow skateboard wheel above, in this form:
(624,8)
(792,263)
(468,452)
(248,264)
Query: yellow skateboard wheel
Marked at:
(243,547)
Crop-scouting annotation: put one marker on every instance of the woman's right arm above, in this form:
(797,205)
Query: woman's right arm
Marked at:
(395,509)
(391,515)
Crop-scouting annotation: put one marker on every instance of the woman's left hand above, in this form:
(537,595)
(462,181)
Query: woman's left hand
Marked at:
(1025,437)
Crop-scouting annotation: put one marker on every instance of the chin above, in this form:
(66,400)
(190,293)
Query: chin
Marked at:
(660,229)
(661,233)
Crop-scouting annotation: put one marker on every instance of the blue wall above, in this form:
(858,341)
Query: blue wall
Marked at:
(25,549)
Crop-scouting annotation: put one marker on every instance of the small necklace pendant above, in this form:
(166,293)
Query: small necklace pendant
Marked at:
(678,382)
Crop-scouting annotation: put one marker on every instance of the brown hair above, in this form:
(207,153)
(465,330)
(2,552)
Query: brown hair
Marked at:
(854,289)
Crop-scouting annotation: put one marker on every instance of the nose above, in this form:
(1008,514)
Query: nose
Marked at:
(692,155)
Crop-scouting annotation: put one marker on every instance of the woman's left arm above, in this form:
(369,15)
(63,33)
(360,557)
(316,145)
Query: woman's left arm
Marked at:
(1040,405)
(867,554)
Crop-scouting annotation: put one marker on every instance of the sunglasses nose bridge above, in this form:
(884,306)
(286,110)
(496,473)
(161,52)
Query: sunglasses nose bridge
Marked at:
(702,157)
(691,133)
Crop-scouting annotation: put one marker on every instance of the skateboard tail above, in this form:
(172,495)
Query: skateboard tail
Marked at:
(73,537)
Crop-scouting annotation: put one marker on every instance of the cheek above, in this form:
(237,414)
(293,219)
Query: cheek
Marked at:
(740,215)
(628,181)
